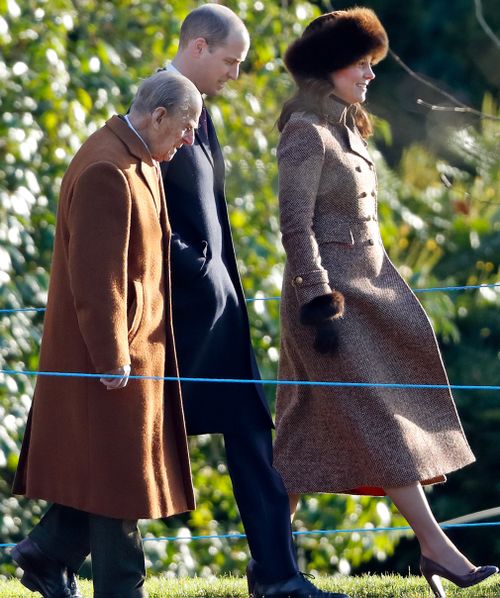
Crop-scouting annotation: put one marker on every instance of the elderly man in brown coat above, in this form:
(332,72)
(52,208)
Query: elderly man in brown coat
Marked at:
(105,459)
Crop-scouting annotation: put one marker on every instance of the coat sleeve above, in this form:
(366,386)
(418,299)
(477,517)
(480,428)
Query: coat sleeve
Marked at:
(301,155)
(98,219)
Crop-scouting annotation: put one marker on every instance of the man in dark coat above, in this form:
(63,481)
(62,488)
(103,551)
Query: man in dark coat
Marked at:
(210,318)
(109,451)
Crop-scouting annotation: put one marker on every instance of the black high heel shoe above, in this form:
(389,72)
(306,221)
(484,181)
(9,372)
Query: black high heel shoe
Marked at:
(433,571)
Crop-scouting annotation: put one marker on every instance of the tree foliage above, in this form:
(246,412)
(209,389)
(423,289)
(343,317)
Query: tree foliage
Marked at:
(65,68)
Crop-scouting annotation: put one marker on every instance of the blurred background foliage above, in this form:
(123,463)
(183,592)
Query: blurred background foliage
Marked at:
(66,66)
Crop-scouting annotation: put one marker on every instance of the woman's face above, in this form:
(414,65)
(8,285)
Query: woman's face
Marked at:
(350,83)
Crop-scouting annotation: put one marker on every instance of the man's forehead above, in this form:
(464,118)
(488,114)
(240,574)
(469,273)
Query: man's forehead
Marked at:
(190,114)
(236,46)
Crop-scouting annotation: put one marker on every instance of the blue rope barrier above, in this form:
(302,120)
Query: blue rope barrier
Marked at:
(324,532)
(251,300)
(19,309)
(463,288)
(422,290)
(251,381)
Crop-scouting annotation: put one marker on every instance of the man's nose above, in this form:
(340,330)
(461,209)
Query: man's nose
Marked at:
(188,137)
(234,72)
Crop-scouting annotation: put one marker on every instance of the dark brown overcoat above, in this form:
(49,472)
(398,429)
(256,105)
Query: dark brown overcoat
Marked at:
(342,439)
(118,453)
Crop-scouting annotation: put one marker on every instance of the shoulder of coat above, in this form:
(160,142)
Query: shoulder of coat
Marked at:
(307,118)
(306,121)
(308,129)
(332,135)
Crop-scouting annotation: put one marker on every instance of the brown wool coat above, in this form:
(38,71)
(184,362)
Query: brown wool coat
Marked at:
(118,453)
(340,439)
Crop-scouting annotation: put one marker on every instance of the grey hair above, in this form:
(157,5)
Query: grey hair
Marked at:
(211,21)
(168,90)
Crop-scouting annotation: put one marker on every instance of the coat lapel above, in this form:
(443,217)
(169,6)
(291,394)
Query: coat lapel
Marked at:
(216,152)
(205,148)
(151,176)
(358,145)
(211,150)
(341,113)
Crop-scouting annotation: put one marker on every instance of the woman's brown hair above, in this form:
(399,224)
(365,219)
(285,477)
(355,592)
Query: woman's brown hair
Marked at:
(313,95)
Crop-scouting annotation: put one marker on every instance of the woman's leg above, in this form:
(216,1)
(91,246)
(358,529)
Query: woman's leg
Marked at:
(412,504)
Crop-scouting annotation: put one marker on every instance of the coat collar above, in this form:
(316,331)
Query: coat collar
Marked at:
(212,151)
(339,112)
(136,147)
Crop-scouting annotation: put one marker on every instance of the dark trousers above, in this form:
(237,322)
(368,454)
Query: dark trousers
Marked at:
(262,502)
(69,536)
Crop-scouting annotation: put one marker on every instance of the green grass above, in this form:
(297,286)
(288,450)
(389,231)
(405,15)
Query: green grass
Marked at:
(387,586)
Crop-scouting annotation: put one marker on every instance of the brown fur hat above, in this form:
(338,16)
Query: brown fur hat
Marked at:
(336,40)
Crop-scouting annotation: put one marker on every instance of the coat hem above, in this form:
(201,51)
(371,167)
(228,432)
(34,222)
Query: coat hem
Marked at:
(114,514)
(351,487)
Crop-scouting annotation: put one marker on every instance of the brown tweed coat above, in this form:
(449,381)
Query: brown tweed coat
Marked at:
(119,453)
(346,438)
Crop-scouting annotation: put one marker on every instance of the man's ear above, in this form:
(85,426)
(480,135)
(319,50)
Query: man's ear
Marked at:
(158,115)
(197,46)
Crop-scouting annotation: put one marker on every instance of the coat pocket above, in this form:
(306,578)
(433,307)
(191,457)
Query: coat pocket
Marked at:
(334,232)
(136,310)
(206,258)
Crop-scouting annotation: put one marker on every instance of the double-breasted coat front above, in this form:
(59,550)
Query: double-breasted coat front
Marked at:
(119,453)
(341,439)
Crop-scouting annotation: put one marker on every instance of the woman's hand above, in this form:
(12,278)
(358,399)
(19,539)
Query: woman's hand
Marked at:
(327,337)
(322,313)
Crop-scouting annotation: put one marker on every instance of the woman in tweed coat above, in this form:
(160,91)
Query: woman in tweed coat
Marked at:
(369,440)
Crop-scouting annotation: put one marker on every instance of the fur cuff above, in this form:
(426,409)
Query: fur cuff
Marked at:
(324,307)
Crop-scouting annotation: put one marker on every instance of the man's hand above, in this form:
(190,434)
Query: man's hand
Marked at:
(112,383)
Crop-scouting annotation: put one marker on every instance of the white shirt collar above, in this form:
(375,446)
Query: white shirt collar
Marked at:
(127,119)
(170,67)
(136,131)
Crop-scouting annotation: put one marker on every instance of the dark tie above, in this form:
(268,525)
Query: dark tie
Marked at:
(203,126)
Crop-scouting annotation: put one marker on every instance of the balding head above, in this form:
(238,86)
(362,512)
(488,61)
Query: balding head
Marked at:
(165,113)
(212,22)
(167,90)
(213,43)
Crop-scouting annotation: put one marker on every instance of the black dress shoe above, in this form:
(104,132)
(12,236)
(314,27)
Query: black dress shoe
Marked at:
(41,573)
(297,586)
(74,590)
(251,576)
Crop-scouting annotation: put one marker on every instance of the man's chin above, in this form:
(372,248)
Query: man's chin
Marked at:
(170,155)
(216,91)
